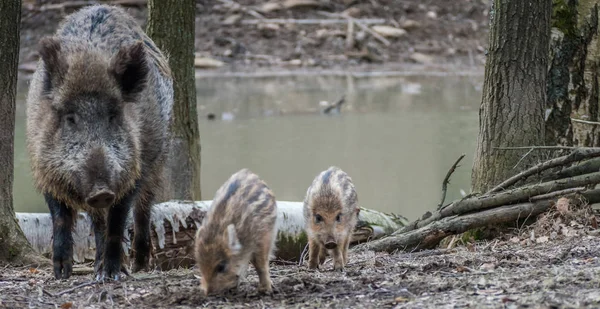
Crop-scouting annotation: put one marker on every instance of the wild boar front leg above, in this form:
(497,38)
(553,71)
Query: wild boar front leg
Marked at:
(113,251)
(314,250)
(141,240)
(338,259)
(99,226)
(260,261)
(345,247)
(63,220)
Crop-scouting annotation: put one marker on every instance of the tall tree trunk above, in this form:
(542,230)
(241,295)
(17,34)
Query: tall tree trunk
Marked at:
(573,81)
(514,92)
(13,244)
(171,24)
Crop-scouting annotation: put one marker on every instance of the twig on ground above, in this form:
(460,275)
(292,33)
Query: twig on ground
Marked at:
(447,180)
(75,288)
(578,155)
(78,4)
(350,35)
(309,21)
(48,293)
(303,255)
(594,123)
(235,5)
(361,24)
(544,148)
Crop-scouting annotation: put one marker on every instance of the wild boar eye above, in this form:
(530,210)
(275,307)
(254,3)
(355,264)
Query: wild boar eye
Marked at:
(221,267)
(318,219)
(338,218)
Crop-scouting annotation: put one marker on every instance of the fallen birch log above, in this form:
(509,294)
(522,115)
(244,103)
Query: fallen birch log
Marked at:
(174,225)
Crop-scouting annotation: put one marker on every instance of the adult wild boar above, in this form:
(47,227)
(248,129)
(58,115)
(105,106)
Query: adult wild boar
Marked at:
(98,114)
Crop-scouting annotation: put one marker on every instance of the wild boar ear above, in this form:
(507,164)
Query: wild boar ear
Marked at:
(130,69)
(234,243)
(54,61)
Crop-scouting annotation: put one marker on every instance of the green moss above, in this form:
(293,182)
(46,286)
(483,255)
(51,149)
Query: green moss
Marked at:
(290,247)
(564,16)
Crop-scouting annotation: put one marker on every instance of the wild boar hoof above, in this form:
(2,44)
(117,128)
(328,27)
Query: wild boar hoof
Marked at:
(268,290)
(63,267)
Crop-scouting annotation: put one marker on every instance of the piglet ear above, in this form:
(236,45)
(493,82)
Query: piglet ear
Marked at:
(130,69)
(234,243)
(55,64)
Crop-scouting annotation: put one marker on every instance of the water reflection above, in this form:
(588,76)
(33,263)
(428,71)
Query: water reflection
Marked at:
(396,137)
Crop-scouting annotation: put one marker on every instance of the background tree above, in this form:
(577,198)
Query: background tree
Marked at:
(573,83)
(13,244)
(514,91)
(171,24)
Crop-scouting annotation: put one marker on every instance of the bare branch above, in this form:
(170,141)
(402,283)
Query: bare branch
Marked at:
(544,148)
(447,180)
(577,155)
(566,192)
(519,194)
(594,123)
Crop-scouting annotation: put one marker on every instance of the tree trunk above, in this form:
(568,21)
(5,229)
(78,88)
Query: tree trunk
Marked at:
(171,24)
(573,75)
(514,92)
(13,244)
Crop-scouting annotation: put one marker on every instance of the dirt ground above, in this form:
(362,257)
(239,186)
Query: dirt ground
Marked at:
(437,33)
(526,271)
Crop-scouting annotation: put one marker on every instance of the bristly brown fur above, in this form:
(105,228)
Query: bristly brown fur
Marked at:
(330,212)
(245,203)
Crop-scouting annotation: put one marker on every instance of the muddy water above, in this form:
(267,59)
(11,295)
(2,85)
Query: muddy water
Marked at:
(396,137)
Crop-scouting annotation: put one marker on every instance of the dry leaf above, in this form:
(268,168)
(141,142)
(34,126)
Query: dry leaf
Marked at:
(421,58)
(388,31)
(542,239)
(66,305)
(562,205)
(515,240)
(33,270)
(487,266)
(594,222)
(400,299)
(461,269)
(506,300)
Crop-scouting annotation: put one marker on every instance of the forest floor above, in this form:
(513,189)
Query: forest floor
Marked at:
(553,263)
(440,34)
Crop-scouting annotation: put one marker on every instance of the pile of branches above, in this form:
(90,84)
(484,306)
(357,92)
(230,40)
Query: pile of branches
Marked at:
(519,198)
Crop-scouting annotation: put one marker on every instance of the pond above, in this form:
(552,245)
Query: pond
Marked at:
(395,136)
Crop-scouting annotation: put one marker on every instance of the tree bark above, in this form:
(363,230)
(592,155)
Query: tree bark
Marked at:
(514,92)
(171,24)
(13,244)
(573,81)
